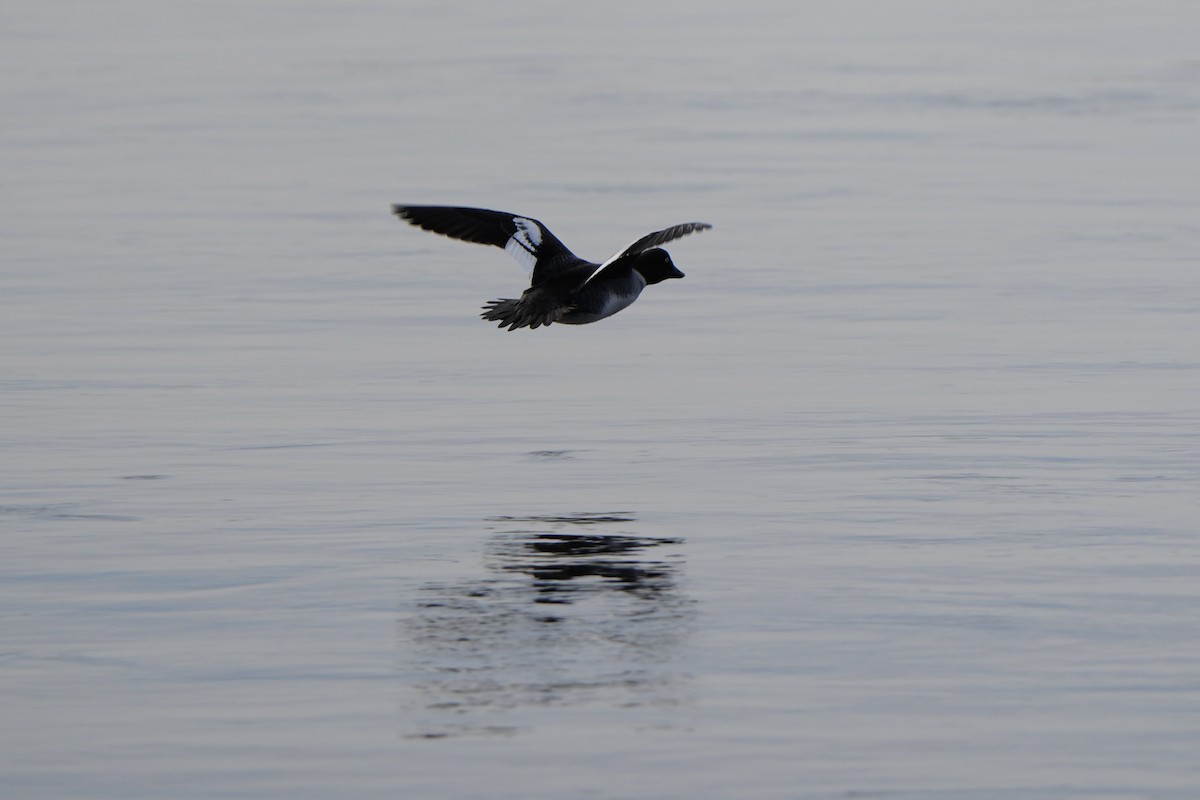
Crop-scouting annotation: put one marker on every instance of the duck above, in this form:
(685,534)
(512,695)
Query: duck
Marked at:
(563,287)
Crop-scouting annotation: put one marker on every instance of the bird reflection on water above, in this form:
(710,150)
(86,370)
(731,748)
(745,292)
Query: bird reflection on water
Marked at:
(560,618)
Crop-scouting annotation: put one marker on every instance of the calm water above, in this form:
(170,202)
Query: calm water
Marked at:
(895,496)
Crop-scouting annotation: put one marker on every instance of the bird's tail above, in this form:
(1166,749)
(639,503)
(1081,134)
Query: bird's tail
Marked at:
(503,311)
(514,314)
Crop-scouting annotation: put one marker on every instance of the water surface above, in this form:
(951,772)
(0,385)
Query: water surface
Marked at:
(893,496)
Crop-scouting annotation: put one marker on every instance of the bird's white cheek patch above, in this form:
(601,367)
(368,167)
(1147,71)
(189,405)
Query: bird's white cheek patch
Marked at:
(524,243)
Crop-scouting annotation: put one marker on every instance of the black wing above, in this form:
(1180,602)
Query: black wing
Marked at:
(652,240)
(528,241)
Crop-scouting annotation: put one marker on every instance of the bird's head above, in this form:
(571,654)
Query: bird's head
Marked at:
(656,266)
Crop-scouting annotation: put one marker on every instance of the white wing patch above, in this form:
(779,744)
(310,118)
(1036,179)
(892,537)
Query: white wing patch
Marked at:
(523,245)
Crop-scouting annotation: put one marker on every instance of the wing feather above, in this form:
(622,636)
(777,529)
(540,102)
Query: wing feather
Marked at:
(527,240)
(652,240)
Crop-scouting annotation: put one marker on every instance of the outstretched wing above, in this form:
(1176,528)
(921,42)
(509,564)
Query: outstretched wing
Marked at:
(652,240)
(528,241)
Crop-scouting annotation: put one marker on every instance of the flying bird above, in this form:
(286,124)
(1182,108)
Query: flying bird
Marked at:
(563,287)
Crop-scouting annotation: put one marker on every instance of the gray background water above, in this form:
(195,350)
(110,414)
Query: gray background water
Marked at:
(895,495)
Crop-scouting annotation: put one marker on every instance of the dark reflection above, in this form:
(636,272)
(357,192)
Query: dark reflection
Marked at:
(570,519)
(558,618)
(561,564)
